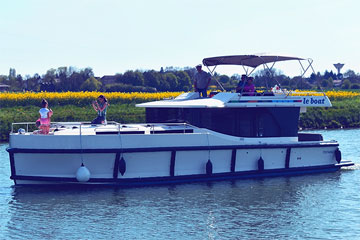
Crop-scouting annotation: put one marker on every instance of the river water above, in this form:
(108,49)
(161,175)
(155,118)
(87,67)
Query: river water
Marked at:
(319,206)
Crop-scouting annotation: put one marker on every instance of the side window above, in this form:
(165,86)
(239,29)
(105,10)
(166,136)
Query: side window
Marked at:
(163,115)
(223,120)
(267,126)
(246,125)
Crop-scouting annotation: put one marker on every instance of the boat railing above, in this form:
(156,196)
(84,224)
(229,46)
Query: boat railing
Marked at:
(26,127)
(184,127)
(306,93)
(56,125)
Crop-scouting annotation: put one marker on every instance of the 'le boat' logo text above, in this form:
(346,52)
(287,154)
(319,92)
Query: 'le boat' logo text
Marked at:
(313,101)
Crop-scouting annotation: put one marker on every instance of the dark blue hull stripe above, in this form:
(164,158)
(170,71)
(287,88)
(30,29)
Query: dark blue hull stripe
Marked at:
(187,178)
(162,149)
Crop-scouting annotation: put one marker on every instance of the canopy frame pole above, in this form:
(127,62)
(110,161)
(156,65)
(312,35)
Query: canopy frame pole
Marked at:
(310,61)
(211,73)
(245,69)
(272,75)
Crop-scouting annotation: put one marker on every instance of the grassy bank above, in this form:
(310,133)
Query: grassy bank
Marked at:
(344,113)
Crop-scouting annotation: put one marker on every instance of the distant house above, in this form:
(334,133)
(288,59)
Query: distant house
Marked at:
(337,83)
(108,79)
(4,87)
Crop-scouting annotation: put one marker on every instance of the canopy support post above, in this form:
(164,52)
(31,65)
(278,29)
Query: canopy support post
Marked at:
(211,72)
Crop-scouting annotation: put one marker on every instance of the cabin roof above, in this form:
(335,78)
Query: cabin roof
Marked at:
(235,100)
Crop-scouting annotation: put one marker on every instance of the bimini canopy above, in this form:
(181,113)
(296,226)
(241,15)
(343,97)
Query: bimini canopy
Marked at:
(246,60)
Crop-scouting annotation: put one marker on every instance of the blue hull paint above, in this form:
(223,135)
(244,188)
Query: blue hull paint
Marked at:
(181,179)
(169,179)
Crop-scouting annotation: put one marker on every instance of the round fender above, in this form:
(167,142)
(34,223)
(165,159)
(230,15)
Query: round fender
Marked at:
(83,174)
(338,155)
(122,166)
(209,167)
(261,164)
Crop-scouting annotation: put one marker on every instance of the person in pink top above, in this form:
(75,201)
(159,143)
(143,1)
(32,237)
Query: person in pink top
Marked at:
(45,115)
(249,87)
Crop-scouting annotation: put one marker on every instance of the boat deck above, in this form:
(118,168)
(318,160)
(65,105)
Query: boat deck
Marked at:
(78,128)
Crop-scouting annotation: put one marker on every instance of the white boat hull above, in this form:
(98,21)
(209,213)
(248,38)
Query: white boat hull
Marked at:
(139,159)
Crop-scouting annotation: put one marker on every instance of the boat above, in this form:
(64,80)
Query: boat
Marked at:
(186,139)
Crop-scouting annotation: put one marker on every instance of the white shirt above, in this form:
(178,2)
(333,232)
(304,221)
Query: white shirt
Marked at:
(44,112)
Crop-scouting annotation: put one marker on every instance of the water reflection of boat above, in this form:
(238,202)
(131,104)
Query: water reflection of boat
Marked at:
(230,135)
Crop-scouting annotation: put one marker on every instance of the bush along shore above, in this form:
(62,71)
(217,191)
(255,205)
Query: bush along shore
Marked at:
(344,114)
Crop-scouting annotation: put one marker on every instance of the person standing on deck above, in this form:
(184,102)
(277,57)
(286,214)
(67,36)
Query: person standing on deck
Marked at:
(45,115)
(201,81)
(241,84)
(100,105)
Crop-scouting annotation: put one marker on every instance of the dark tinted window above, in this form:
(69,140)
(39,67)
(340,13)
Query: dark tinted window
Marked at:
(241,122)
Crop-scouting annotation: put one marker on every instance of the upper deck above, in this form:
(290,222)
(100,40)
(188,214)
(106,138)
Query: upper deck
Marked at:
(236,100)
(278,98)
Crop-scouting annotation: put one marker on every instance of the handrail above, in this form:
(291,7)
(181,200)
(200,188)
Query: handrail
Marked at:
(118,126)
(57,124)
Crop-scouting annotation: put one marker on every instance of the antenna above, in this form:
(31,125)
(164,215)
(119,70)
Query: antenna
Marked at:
(338,66)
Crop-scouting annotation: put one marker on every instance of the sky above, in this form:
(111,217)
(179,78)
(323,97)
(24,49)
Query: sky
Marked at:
(113,36)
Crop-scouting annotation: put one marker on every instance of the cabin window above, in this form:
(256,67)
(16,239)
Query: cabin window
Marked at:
(164,115)
(267,126)
(240,122)
(245,126)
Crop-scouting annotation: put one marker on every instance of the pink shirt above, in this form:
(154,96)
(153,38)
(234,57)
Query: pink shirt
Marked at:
(249,89)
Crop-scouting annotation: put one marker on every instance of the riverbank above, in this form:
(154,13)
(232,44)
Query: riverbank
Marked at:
(344,114)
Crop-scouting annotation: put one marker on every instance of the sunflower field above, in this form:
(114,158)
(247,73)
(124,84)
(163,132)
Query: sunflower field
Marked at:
(332,95)
(11,99)
(75,106)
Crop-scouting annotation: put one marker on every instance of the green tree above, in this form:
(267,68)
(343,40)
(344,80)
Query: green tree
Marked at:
(331,82)
(32,83)
(355,86)
(184,81)
(352,76)
(3,79)
(163,84)
(62,76)
(134,78)
(325,83)
(172,80)
(12,73)
(15,82)
(91,84)
(48,81)
(346,84)
(152,79)
(75,81)
(224,79)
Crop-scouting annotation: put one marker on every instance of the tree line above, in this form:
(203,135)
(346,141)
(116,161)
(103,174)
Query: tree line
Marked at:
(168,79)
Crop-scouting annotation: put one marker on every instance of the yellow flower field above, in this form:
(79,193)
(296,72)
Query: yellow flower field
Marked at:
(8,99)
(79,98)
(333,95)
